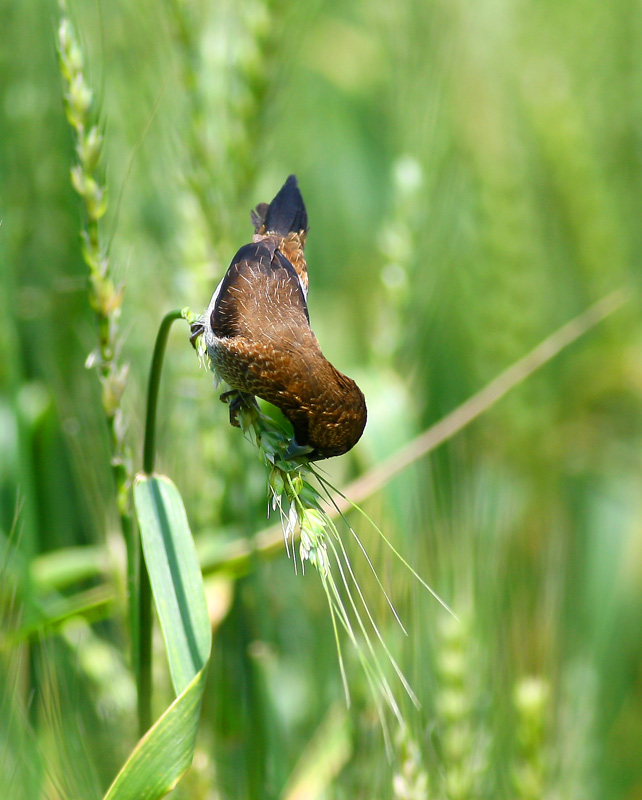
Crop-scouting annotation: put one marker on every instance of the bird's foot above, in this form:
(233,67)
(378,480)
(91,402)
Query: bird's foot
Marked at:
(238,401)
(295,450)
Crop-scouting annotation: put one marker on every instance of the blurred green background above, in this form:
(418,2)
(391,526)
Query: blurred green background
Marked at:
(472,178)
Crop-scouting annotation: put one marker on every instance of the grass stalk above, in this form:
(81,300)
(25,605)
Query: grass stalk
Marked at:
(484,399)
(144,592)
(105,297)
(149,447)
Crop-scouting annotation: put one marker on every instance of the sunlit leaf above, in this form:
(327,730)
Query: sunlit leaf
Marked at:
(166,751)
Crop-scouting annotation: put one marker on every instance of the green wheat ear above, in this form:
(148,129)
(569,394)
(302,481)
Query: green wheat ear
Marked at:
(531,700)
(104,296)
(410,781)
(302,497)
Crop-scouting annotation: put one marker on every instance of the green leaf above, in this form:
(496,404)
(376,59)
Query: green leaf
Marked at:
(166,751)
(57,569)
(175,576)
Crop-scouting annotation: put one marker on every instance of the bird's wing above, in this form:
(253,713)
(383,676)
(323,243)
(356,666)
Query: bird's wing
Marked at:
(260,296)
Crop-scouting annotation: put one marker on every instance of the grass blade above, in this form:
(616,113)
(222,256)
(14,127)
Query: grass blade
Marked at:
(175,577)
(166,751)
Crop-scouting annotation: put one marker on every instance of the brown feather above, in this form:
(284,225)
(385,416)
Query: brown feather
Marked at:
(260,342)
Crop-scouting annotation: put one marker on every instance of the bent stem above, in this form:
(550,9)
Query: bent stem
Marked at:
(142,636)
(149,448)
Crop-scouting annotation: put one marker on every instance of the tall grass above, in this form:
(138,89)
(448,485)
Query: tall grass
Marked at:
(520,124)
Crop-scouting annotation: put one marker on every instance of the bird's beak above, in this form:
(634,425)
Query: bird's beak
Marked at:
(196,329)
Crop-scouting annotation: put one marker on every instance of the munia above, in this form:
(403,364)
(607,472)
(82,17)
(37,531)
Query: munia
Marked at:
(258,336)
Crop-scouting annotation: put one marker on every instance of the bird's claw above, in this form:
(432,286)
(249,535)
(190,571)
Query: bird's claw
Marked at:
(238,401)
(295,450)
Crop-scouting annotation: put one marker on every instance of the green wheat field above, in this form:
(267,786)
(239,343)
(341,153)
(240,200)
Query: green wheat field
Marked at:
(472,175)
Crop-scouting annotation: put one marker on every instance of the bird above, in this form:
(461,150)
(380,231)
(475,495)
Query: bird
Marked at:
(259,340)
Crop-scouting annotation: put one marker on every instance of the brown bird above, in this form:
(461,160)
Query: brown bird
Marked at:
(258,336)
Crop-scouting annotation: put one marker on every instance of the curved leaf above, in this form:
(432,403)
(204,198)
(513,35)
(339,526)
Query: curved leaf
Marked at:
(165,752)
(175,576)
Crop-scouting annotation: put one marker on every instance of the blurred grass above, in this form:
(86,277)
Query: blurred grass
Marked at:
(523,122)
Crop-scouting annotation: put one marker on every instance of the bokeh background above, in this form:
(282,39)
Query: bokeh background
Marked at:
(472,178)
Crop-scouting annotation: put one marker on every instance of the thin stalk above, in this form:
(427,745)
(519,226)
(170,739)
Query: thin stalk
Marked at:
(105,297)
(144,595)
(149,448)
(144,652)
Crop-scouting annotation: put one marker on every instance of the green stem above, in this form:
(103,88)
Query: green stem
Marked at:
(144,659)
(149,449)
(144,673)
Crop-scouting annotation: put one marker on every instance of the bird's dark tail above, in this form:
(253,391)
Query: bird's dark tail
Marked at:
(286,213)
